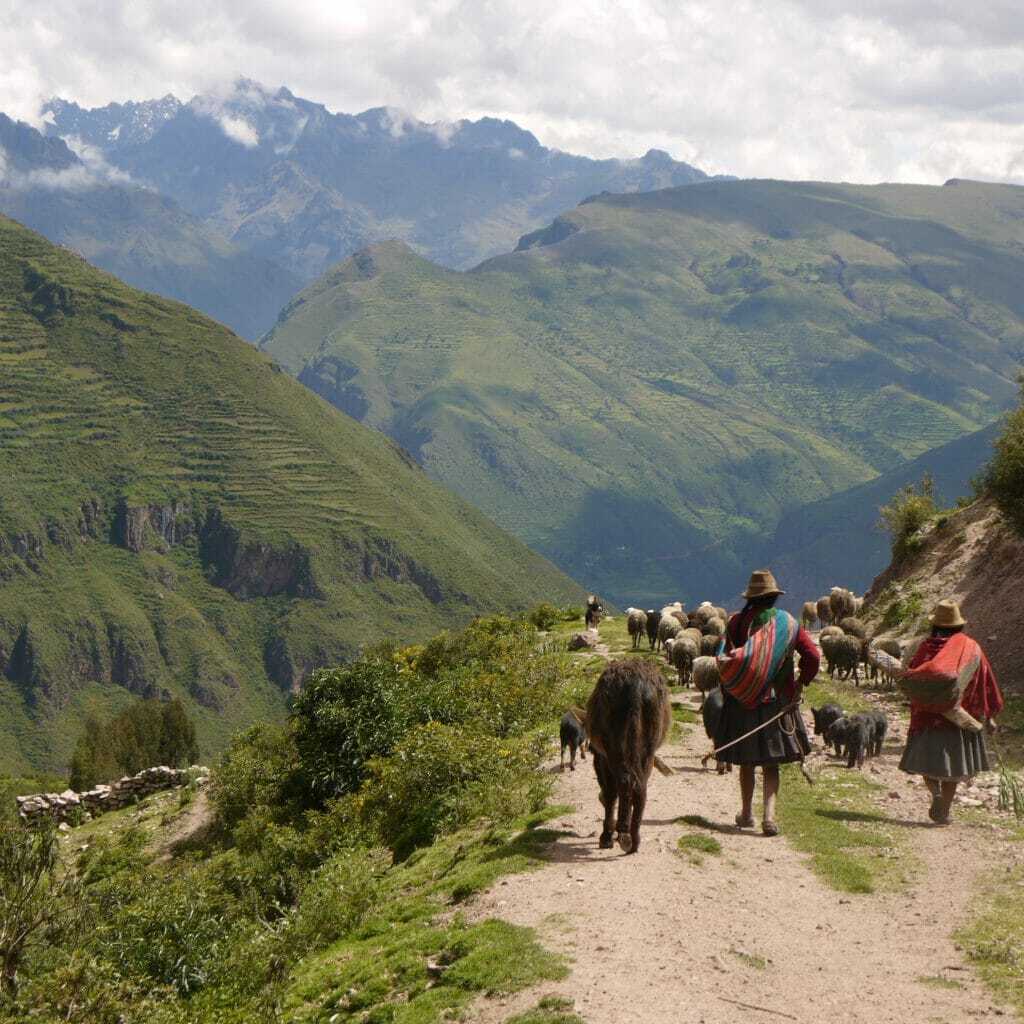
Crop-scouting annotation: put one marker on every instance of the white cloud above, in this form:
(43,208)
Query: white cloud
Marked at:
(91,172)
(239,131)
(841,89)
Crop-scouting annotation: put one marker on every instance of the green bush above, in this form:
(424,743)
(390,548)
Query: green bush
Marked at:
(544,616)
(1004,479)
(441,777)
(910,510)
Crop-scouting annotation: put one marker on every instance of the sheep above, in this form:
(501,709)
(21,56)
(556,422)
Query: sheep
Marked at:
(808,614)
(694,634)
(828,646)
(668,628)
(709,644)
(824,611)
(684,652)
(653,621)
(636,625)
(704,612)
(714,627)
(858,605)
(891,647)
(705,673)
(841,603)
(845,657)
(854,627)
(831,631)
(721,613)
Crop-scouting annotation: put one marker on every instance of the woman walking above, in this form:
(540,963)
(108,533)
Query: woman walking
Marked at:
(948,746)
(759,681)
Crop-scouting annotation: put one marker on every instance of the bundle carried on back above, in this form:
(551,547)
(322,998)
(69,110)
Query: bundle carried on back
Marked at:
(749,670)
(937,684)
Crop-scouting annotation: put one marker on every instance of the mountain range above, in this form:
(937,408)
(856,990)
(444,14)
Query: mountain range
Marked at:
(232,202)
(645,388)
(179,517)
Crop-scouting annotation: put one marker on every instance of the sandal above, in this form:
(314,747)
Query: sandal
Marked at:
(935,810)
(744,822)
(769,828)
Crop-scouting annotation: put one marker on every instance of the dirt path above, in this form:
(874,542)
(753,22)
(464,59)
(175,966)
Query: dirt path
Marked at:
(656,939)
(185,826)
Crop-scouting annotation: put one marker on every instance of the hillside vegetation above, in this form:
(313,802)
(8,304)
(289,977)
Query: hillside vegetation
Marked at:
(180,517)
(644,388)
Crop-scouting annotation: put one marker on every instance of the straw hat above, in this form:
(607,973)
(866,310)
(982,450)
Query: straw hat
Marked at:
(762,583)
(947,615)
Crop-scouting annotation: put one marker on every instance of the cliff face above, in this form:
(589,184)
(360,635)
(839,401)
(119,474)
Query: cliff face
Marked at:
(975,558)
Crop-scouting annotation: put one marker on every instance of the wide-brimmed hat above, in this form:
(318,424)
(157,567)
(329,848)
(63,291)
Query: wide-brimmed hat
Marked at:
(762,584)
(947,615)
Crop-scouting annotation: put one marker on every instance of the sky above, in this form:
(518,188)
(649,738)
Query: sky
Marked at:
(881,90)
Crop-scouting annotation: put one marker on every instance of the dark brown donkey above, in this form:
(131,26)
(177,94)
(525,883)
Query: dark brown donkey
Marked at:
(628,718)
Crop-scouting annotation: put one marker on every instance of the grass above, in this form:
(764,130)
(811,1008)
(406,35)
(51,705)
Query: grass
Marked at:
(852,846)
(297,531)
(754,960)
(550,1010)
(994,939)
(695,847)
(939,981)
(544,378)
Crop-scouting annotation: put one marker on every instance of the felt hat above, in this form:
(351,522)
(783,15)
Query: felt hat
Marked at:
(762,583)
(947,615)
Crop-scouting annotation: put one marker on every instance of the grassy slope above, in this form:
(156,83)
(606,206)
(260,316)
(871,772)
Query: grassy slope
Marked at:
(642,397)
(108,396)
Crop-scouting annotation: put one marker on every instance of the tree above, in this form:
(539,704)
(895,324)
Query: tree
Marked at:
(36,895)
(1004,479)
(909,511)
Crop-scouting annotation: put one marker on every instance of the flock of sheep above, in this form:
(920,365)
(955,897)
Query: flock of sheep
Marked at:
(691,640)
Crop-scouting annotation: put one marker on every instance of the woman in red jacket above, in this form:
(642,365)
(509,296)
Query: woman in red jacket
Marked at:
(945,751)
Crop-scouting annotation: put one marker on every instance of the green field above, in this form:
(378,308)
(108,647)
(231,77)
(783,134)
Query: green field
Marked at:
(180,516)
(646,389)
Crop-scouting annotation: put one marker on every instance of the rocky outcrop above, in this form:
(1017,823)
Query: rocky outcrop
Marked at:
(974,557)
(73,808)
(137,527)
(383,559)
(253,568)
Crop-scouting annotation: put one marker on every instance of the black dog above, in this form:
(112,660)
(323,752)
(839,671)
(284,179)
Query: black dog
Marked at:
(573,734)
(825,716)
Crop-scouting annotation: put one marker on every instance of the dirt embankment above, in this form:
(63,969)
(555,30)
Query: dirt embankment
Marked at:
(975,558)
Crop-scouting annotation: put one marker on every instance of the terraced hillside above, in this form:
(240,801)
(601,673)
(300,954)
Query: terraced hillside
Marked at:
(642,389)
(178,515)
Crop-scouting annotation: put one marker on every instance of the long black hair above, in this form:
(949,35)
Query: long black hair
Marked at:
(758,604)
(946,631)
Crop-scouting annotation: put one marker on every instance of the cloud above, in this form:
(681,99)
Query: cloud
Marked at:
(863,90)
(91,171)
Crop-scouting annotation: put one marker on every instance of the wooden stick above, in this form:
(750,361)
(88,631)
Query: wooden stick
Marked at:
(763,1009)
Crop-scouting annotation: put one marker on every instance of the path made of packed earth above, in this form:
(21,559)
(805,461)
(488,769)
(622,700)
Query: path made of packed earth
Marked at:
(656,939)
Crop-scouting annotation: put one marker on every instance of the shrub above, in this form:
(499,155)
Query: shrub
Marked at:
(259,769)
(1004,479)
(909,511)
(544,616)
(903,609)
(441,777)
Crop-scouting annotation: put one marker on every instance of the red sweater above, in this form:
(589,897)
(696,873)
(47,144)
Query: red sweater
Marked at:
(738,632)
(982,699)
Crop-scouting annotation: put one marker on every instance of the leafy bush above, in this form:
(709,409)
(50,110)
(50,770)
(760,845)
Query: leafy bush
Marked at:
(903,609)
(544,616)
(441,777)
(1004,479)
(147,733)
(910,510)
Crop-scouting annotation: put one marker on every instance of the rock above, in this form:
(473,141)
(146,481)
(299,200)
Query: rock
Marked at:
(970,801)
(63,827)
(583,641)
(893,795)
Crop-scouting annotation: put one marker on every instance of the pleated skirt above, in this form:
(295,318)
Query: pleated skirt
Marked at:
(946,753)
(779,743)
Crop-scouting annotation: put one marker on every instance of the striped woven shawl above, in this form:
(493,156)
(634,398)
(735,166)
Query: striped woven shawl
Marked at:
(749,670)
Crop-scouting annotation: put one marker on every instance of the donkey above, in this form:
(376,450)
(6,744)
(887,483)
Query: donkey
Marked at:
(628,718)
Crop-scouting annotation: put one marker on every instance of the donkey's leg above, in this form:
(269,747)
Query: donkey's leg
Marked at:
(607,798)
(639,802)
(622,825)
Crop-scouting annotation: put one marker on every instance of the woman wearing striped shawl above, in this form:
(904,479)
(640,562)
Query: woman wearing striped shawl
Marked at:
(759,680)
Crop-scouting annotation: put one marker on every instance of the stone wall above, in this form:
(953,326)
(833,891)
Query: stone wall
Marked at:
(72,808)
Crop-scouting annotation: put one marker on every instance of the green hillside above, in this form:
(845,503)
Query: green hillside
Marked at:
(838,541)
(178,515)
(642,389)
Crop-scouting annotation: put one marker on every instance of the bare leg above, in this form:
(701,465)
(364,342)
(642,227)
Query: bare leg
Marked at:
(746,814)
(948,792)
(932,784)
(770,774)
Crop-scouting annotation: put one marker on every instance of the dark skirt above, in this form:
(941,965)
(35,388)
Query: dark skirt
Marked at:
(946,753)
(779,743)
